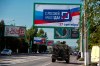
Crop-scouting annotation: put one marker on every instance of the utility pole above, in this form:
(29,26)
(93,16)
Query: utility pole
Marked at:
(82,31)
(81,43)
(86,54)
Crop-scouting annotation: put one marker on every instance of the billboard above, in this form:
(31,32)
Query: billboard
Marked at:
(14,31)
(50,42)
(74,33)
(56,15)
(66,33)
(39,40)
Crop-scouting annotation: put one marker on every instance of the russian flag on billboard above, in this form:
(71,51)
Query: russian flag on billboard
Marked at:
(57,15)
(37,40)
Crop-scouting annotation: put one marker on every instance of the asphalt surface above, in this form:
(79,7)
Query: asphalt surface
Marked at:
(35,60)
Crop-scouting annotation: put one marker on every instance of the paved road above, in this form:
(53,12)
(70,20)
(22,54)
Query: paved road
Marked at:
(35,60)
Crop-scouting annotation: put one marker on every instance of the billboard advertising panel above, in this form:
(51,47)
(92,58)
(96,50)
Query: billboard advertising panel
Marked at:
(74,33)
(50,42)
(66,33)
(39,40)
(14,31)
(56,15)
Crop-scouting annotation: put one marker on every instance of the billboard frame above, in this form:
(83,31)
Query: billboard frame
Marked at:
(55,4)
(70,34)
(16,36)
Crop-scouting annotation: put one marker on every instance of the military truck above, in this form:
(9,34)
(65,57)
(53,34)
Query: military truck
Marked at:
(61,52)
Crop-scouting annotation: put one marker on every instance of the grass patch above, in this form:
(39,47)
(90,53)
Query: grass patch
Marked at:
(81,59)
(93,64)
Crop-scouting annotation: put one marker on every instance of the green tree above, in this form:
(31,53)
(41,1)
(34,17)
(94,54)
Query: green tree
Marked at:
(92,8)
(2,27)
(40,33)
(30,33)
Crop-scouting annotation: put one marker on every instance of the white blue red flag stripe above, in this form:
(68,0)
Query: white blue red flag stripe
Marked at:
(57,15)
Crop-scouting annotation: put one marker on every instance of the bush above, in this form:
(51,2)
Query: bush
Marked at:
(81,59)
(93,64)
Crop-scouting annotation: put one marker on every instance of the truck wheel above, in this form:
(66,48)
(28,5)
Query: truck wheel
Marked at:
(53,60)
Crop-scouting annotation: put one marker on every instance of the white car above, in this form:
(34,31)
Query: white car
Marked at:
(6,52)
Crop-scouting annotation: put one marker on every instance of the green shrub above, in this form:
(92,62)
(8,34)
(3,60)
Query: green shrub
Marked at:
(81,59)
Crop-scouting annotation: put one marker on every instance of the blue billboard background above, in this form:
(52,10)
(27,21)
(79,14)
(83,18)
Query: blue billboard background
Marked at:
(57,15)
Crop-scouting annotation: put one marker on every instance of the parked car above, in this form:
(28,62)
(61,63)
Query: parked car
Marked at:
(6,52)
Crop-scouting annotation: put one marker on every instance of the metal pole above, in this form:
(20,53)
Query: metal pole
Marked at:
(86,58)
(81,46)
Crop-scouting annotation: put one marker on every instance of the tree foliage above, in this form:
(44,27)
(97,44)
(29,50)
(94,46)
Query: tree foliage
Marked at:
(2,25)
(40,33)
(35,32)
(92,15)
(30,33)
(92,8)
